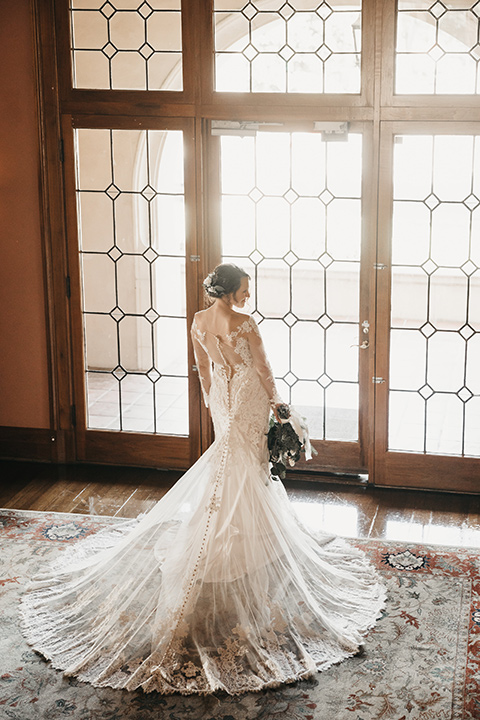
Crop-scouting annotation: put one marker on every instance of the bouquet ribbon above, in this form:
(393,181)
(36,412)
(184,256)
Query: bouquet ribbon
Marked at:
(299,424)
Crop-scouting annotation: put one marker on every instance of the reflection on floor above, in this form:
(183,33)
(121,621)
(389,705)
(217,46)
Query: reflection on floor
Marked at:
(348,510)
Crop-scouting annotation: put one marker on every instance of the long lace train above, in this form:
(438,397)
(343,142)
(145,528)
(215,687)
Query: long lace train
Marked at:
(218,587)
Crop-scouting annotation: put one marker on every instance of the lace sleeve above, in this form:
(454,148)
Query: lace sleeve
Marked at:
(261,363)
(202,361)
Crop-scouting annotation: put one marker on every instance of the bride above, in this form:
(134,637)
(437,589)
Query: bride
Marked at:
(219,586)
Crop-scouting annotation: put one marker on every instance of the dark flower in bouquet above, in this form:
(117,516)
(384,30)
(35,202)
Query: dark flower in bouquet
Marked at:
(284,444)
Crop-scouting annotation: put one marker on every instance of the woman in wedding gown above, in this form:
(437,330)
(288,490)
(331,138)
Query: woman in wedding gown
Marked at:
(219,586)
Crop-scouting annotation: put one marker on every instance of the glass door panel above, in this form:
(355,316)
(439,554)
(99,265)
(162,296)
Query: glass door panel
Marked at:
(291,216)
(130,197)
(132,242)
(433,395)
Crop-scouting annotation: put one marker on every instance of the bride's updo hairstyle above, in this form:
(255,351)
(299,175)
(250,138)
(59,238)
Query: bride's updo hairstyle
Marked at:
(225,279)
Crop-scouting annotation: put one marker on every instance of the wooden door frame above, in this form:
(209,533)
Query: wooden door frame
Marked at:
(53,231)
(403,469)
(57,98)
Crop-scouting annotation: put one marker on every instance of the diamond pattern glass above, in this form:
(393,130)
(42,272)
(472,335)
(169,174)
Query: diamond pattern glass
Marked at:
(293,47)
(132,45)
(304,273)
(437,48)
(134,305)
(434,339)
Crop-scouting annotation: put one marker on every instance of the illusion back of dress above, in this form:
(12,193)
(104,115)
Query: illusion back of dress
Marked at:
(240,389)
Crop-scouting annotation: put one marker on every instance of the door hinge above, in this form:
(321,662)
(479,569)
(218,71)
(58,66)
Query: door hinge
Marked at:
(68,289)
(61,151)
(194,258)
(378,380)
(73,415)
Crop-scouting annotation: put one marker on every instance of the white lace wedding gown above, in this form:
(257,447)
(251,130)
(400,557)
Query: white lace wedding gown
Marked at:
(219,586)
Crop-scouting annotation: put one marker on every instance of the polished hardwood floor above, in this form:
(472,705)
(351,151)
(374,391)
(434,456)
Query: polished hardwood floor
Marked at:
(351,510)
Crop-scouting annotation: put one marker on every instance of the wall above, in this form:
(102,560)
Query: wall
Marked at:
(24,398)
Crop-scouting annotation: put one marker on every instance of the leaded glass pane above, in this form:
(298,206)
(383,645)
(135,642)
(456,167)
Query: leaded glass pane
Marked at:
(135,45)
(285,222)
(299,46)
(132,249)
(434,340)
(437,47)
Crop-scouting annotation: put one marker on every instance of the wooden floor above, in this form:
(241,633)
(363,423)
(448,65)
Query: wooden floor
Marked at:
(346,509)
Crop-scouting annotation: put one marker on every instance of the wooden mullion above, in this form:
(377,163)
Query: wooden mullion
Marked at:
(126,122)
(124,100)
(206,50)
(432,128)
(53,228)
(64,55)
(387,41)
(427,102)
(383,298)
(452,115)
(297,113)
(286,100)
(366,356)
(368,57)
(192,282)
(75,302)
(211,250)
(194,67)
(373,245)
(107,103)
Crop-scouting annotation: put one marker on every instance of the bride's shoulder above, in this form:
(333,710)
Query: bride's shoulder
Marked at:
(200,317)
(243,324)
(199,322)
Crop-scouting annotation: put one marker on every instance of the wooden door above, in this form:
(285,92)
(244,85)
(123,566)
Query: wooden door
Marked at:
(290,209)
(133,279)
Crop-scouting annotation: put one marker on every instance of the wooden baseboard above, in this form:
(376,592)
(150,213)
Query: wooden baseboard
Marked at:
(21,443)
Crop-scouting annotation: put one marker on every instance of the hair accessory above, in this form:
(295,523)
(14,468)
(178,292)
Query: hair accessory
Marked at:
(212,287)
(207,283)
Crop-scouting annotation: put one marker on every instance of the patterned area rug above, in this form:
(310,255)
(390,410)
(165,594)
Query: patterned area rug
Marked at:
(421,662)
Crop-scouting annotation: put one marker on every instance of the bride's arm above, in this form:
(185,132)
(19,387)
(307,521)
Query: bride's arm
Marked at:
(203,364)
(262,366)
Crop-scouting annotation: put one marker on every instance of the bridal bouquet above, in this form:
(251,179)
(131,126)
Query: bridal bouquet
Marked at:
(286,440)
